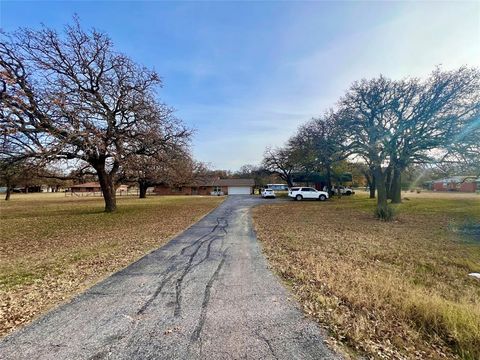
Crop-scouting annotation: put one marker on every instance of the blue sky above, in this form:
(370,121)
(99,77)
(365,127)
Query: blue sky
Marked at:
(246,74)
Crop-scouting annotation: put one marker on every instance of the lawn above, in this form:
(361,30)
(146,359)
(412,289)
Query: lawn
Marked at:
(396,290)
(53,246)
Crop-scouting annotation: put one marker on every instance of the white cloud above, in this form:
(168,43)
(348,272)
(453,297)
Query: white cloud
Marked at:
(267,107)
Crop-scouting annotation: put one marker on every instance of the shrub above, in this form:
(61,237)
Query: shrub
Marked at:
(386,213)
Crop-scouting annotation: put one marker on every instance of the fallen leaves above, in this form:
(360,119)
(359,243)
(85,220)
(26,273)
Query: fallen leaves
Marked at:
(52,246)
(389,291)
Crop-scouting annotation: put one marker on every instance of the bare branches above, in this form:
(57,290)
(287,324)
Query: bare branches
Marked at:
(72,96)
(280,161)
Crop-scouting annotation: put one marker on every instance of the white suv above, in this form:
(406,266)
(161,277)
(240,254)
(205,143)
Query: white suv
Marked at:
(300,193)
(268,193)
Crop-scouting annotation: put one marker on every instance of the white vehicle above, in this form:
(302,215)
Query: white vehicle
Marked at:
(341,190)
(268,193)
(300,193)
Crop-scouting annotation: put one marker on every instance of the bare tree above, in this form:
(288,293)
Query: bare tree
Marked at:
(429,116)
(261,175)
(367,171)
(71,96)
(393,124)
(319,145)
(364,110)
(169,168)
(463,154)
(163,152)
(281,162)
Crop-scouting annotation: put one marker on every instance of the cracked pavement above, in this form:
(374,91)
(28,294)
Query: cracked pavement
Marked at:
(207,294)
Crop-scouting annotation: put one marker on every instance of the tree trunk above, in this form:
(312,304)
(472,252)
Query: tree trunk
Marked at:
(329,178)
(143,189)
(8,192)
(370,177)
(396,186)
(289,181)
(372,186)
(380,180)
(108,188)
(388,182)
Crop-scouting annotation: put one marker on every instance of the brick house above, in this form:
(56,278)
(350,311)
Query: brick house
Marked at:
(93,187)
(210,187)
(457,183)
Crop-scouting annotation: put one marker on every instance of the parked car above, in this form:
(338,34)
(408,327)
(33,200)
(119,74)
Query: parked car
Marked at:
(268,193)
(343,190)
(300,193)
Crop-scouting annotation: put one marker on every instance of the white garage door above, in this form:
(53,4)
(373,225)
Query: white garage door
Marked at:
(239,190)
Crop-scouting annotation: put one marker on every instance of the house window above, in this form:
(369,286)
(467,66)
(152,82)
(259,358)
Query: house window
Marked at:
(217,189)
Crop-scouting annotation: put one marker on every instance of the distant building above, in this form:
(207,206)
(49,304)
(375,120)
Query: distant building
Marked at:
(93,187)
(210,187)
(457,183)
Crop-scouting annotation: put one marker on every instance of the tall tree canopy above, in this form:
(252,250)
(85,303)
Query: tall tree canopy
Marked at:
(319,145)
(391,125)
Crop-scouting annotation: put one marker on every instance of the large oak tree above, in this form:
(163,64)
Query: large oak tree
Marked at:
(72,96)
(393,124)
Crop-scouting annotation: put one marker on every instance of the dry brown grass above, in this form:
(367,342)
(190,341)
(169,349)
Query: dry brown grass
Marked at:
(52,246)
(395,290)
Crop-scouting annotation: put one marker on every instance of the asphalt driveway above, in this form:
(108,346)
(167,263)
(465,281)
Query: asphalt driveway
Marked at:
(207,294)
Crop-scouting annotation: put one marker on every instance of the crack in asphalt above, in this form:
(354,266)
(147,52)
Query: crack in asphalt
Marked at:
(222,223)
(206,299)
(207,234)
(207,254)
(106,349)
(171,269)
(189,267)
(157,292)
(268,342)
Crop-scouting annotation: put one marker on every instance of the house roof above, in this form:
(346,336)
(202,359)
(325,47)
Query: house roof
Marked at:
(235,182)
(457,179)
(225,182)
(87,185)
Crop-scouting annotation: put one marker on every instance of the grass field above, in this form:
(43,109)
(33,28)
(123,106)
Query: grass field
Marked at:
(396,290)
(52,246)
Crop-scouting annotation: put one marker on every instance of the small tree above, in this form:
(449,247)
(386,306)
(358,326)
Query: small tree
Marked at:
(162,168)
(281,161)
(162,152)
